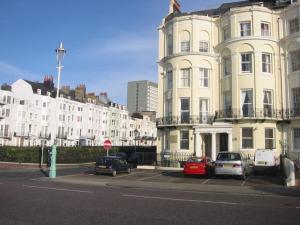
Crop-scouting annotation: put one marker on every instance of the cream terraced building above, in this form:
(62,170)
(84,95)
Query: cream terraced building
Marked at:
(229,79)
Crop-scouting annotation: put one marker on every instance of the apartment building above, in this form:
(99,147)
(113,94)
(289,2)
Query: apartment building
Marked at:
(31,115)
(229,78)
(141,96)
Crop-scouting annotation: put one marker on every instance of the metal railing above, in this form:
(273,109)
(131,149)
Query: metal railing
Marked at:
(5,135)
(181,120)
(44,136)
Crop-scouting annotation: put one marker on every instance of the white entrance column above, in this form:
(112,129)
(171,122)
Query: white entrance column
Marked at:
(213,146)
(230,142)
(198,144)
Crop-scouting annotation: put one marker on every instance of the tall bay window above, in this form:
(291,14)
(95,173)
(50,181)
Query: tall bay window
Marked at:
(245,29)
(227,104)
(269,138)
(185,78)
(170,41)
(184,139)
(203,110)
(295,60)
(247,103)
(266,63)
(185,110)
(204,77)
(246,62)
(265,29)
(185,41)
(268,103)
(169,108)
(226,33)
(296,101)
(169,79)
(226,66)
(247,138)
(294,25)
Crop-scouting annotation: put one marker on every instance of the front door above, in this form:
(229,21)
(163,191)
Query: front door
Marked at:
(223,142)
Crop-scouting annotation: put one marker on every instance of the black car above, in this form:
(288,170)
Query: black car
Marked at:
(112,165)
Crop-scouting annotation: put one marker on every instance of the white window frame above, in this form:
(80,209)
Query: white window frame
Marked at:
(242,103)
(203,46)
(204,77)
(203,113)
(185,75)
(273,138)
(185,46)
(265,33)
(226,33)
(247,138)
(187,140)
(245,29)
(188,111)
(246,62)
(266,59)
(268,105)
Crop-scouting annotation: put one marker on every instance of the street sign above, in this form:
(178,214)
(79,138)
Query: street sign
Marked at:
(107,144)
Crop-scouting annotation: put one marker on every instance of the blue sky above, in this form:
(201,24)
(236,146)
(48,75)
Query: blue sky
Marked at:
(108,42)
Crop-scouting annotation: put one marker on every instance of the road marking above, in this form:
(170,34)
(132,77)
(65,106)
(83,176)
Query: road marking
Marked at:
(146,178)
(179,199)
(58,189)
(204,182)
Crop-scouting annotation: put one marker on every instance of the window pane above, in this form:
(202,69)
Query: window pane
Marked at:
(247,132)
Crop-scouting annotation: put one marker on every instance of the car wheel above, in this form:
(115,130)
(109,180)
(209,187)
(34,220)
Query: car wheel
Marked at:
(129,170)
(114,173)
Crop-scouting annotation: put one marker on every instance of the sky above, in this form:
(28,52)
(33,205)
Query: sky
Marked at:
(108,42)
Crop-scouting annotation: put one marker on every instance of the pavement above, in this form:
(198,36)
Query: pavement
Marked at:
(297,177)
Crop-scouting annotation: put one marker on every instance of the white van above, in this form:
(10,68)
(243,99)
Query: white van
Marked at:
(266,159)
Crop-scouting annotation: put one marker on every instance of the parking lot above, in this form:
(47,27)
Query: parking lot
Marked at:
(176,177)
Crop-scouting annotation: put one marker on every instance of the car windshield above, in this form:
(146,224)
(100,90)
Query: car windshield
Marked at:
(195,160)
(229,156)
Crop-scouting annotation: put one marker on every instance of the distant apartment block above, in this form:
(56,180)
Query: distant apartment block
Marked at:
(141,96)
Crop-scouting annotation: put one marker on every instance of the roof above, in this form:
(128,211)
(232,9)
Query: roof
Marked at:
(225,8)
(44,89)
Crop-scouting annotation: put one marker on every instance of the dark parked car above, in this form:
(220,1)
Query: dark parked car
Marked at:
(112,165)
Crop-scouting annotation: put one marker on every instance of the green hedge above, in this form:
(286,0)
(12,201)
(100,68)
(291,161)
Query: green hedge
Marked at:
(64,154)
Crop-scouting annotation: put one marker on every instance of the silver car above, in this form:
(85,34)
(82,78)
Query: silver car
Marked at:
(232,163)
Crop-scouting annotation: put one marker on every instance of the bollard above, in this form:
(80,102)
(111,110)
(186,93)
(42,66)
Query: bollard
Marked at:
(52,173)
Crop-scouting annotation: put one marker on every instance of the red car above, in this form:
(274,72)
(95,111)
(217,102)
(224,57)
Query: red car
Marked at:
(198,166)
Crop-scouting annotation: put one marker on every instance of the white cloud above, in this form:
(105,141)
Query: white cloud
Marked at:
(10,73)
(122,44)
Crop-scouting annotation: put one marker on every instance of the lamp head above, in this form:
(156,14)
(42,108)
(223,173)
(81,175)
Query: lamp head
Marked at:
(60,52)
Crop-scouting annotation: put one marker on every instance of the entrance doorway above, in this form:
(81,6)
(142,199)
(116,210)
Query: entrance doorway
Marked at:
(223,142)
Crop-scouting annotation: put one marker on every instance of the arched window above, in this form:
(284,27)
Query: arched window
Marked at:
(185,41)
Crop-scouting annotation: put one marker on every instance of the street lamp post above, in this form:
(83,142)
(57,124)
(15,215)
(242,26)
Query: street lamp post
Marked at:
(60,53)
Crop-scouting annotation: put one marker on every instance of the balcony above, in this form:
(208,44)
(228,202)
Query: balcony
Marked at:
(246,113)
(62,136)
(44,136)
(184,120)
(23,135)
(5,135)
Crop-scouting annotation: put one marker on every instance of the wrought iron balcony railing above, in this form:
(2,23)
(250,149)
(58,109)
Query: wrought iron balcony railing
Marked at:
(46,136)
(182,120)
(62,136)
(266,113)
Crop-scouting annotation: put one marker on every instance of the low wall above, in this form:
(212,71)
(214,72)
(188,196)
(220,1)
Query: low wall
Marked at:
(289,171)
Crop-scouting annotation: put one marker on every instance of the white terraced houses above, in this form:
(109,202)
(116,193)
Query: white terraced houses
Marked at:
(31,115)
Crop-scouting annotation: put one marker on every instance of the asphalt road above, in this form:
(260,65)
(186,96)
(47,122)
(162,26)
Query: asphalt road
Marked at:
(27,200)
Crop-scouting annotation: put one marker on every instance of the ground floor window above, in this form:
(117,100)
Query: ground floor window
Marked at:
(296,132)
(247,138)
(184,139)
(269,138)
